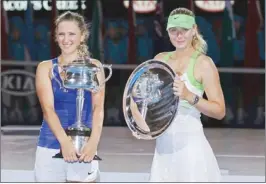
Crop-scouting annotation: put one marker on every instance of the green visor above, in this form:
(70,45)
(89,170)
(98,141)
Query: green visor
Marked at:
(180,20)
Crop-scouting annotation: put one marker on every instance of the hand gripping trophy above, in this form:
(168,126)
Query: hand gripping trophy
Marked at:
(82,74)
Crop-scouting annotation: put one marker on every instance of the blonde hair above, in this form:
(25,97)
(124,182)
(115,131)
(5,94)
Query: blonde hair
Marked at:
(83,49)
(197,42)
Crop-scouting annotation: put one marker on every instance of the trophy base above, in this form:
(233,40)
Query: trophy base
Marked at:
(78,130)
(59,155)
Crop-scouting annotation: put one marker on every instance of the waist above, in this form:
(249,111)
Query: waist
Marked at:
(47,137)
(186,122)
(184,108)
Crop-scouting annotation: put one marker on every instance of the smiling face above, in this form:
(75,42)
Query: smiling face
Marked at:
(181,38)
(68,36)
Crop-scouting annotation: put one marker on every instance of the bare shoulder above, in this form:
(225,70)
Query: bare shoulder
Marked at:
(161,55)
(45,64)
(44,68)
(98,64)
(95,61)
(205,63)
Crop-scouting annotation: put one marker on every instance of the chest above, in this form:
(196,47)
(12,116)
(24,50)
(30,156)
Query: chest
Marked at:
(180,67)
(68,95)
(61,93)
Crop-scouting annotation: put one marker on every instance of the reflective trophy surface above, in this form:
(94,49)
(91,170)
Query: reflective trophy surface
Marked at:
(149,103)
(83,74)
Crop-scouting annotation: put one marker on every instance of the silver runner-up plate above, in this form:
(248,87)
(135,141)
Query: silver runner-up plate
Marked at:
(149,103)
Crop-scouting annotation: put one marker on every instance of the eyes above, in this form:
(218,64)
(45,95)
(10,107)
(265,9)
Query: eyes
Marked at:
(63,34)
(175,31)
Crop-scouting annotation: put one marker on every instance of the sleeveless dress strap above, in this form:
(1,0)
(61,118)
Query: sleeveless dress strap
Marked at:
(190,71)
(55,72)
(54,61)
(167,56)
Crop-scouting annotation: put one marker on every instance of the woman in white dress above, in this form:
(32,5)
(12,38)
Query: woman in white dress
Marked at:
(182,153)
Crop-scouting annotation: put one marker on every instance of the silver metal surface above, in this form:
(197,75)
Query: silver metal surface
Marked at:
(82,74)
(79,142)
(149,104)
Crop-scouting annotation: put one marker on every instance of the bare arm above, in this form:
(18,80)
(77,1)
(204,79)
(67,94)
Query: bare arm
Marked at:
(98,110)
(160,56)
(46,98)
(214,106)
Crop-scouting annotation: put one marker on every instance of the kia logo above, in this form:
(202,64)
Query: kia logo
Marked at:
(18,82)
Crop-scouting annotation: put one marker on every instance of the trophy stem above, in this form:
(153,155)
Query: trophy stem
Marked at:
(79,105)
(144,109)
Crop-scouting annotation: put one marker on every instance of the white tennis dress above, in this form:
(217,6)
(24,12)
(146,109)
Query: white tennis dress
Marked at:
(182,153)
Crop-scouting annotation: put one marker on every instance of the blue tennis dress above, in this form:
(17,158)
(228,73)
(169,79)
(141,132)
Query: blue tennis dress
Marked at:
(65,108)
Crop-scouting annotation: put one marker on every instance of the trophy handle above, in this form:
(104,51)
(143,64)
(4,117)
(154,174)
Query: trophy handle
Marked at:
(109,67)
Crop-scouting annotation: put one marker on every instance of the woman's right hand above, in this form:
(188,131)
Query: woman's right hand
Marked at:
(68,151)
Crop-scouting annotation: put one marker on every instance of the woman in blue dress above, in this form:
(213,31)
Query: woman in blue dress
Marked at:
(59,110)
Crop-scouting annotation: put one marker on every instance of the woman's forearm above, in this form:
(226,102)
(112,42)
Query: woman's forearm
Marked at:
(54,123)
(97,124)
(208,108)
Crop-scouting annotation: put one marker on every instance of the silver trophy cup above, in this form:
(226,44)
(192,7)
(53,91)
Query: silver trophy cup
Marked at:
(149,103)
(82,75)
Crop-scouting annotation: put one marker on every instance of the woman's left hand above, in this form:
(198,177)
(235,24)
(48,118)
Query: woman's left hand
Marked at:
(180,89)
(88,152)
